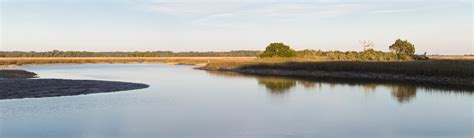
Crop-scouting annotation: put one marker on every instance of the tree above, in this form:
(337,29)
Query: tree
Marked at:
(403,47)
(278,50)
(367,45)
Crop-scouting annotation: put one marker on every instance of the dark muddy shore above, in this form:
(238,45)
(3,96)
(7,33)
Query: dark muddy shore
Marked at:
(17,84)
(37,88)
(10,73)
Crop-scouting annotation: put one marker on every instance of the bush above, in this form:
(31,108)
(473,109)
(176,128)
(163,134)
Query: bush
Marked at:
(367,55)
(403,47)
(278,50)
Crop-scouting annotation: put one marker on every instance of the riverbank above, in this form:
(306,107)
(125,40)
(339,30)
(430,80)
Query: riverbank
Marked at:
(450,73)
(38,88)
(10,73)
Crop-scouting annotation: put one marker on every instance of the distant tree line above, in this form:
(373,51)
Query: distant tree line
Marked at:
(57,53)
(401,50)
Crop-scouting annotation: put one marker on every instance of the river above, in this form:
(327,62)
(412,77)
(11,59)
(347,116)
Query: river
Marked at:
(184,102)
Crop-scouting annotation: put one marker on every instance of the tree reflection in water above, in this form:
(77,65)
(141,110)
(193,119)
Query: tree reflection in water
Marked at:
(279,85)
(276,85)
(403,93)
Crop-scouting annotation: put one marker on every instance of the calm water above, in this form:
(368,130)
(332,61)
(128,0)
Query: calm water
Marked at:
(186,102)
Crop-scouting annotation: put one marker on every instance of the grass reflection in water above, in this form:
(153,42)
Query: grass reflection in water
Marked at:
(402,93)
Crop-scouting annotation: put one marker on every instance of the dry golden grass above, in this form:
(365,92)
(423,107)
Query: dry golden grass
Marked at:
(453,67)
(88,60)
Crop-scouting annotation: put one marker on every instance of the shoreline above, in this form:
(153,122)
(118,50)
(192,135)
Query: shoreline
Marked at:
(16,74)
(454,74)
(40,88)
(21,85)
(449,73)
(441,82)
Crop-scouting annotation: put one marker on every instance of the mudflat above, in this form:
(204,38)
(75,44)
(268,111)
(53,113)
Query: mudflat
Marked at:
(37,88)
(10,73)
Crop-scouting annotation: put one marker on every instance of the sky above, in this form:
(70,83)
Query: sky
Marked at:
(433,26)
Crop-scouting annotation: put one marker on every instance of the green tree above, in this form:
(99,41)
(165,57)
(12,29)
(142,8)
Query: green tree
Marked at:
(403,47)
(278,50)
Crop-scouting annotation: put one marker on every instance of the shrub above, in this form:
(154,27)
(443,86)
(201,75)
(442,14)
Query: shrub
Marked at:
(403,47)
(278,50)
(367,55)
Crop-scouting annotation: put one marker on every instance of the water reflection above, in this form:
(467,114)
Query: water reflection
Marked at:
(275,85)
(403,94)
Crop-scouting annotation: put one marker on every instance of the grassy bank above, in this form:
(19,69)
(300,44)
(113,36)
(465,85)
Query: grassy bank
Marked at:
(456,73)
(446,68)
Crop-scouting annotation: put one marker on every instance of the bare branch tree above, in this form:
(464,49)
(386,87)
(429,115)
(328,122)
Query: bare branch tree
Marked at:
(367,44)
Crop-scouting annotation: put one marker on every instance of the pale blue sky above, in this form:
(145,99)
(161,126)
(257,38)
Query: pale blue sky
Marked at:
(434,26)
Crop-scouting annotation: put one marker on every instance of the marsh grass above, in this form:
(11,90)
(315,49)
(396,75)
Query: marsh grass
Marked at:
(448,68)
(441,68)
(91,60)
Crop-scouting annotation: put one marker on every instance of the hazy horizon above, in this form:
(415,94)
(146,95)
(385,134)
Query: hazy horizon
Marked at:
(434,26)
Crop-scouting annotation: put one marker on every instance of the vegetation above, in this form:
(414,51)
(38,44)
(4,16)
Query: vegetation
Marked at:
(56,53)
(84,60)
(278,50)
(367,55)
(444,71)
(447,68)
(448,73)
(404,49)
